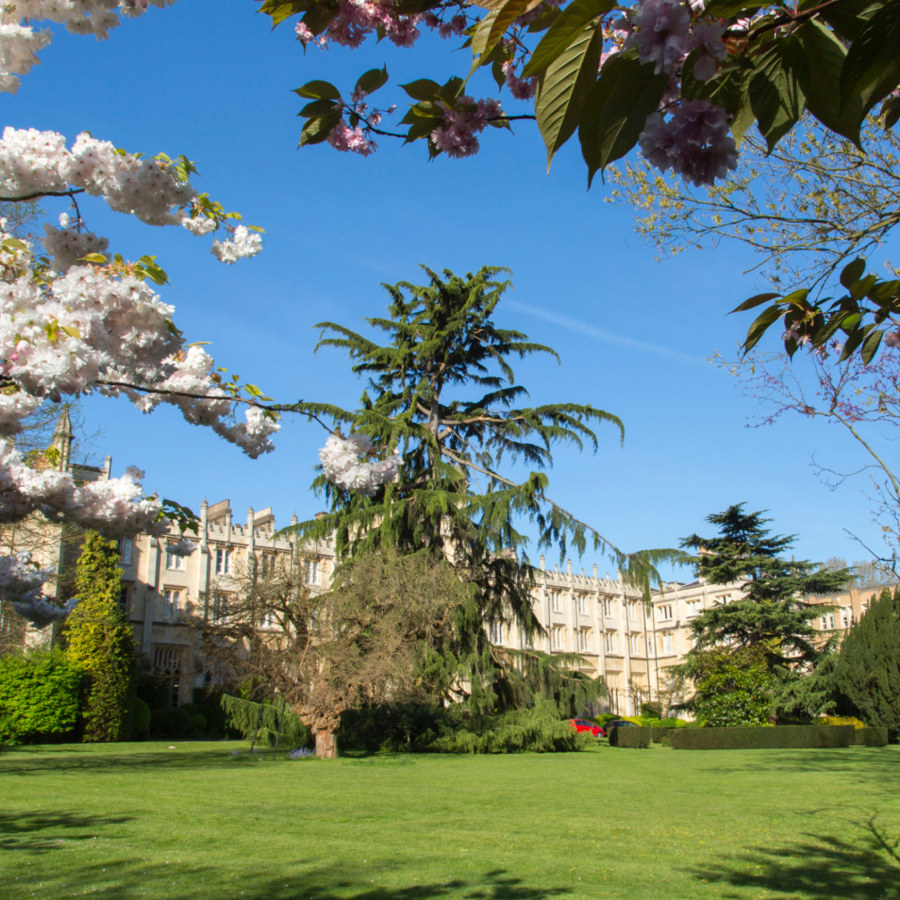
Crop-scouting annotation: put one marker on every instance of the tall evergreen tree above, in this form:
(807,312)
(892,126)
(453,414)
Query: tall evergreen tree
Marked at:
(867,672)
(101,641)
(772,613)
(441,393)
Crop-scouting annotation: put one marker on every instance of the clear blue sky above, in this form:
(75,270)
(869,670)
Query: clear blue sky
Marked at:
(634,334)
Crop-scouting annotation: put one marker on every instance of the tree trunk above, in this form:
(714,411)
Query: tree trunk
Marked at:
(326,745)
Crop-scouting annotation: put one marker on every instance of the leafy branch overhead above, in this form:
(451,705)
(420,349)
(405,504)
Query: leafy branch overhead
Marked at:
(686,82)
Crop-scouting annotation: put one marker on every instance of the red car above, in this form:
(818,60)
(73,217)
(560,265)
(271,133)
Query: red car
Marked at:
(585,725)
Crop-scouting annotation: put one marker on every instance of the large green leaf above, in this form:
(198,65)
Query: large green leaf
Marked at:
(280,10)
(318,128)
(567,26)
(776,97)
(494,25)
(318,90)
(422,89)
(817,57)
(616,110)
(872,68)
(564,87)
(370,81)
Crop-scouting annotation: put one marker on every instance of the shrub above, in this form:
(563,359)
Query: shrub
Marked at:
(170,723)
(754,738)
(39,696)
(630,737)
(140,721)
(249,719)
(652,709)
(841,720)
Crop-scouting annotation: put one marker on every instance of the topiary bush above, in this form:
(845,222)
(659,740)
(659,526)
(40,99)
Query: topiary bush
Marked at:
(40,695)
(871,736)
(637,737)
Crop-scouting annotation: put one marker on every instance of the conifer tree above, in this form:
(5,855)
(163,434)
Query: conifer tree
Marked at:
(101,641)
(772,613)
(867,672)
(442,395)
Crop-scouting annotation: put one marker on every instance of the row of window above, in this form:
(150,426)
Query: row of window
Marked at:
(223,560)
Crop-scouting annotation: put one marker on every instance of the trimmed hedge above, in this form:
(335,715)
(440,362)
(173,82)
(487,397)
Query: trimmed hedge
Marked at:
(871,737)
(762,738)
(636,737)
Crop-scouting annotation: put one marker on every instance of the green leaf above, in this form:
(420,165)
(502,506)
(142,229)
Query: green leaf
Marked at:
(317,129)
(616,110)
(872,68)
(870,345)
(318,90)
(567,26)
(494,25)
(422,89)
(370,81)
(279,10)
(859,289)
(318,108)
(94,258)
(817,58)
(564,87)
(776,97)
(852,272)
(760,326)
(753,302)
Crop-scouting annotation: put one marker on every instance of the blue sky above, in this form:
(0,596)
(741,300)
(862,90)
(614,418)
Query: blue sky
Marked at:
(634,334)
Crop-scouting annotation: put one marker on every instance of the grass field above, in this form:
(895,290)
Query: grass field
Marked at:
(195,821)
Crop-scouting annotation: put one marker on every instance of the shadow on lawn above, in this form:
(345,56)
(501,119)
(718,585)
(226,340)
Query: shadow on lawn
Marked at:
(26,831)
(131,879)
(817,867)
(871,762)
(54,759)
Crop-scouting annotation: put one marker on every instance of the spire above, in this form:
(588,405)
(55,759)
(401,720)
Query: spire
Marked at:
(62,439)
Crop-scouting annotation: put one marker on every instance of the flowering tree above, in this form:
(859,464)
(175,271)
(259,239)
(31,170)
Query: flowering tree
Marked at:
(76,318)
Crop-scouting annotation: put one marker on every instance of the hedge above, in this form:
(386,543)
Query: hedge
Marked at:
(871,737)
(762,738)
(632,737)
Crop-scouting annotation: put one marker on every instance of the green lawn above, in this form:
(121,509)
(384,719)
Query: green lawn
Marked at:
(194,821)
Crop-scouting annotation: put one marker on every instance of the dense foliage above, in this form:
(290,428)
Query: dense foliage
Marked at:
(867,671)
(39,696)
(732,688)
(102,643)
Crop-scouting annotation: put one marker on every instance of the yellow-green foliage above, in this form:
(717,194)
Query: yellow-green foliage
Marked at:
(841,720)
(100,641)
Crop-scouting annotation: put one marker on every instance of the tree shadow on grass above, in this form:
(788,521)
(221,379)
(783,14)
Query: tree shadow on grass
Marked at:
(872,762)
(28,831)
(126,880)
(865,866)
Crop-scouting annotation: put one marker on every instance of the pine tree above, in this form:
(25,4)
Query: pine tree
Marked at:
(442,394)
(771,614)
(867,672)
(101,641)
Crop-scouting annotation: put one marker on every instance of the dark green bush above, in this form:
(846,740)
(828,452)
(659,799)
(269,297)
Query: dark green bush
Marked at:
(170,723)
(392,726)
(39,696)
(871,736)
(761,738)
(633,737)
(140,721)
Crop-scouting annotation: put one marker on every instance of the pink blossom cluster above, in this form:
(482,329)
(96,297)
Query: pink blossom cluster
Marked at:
(695,142)
(664,34)
(21,582)
(353,140)
(347,463)
(456,137)
(520,88)
(892,339)
(42,611)
(357,19)
(453,27)
(68,245)
(19,42)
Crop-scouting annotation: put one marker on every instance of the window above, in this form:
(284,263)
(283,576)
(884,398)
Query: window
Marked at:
(665,643)
(223,562)
(584,640)
(123,599)
(665,612)
(582,605)
(267,564)
(693,608)
(311,572)
(554,601)
(632,610)
(610,642)
(217,608)
(268,620)
(649,645)
(607,606)
(828,621)
(846,617)
(556,637)
(635,643)
(496,632)
(126,548)
(172,607)
(173,560)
